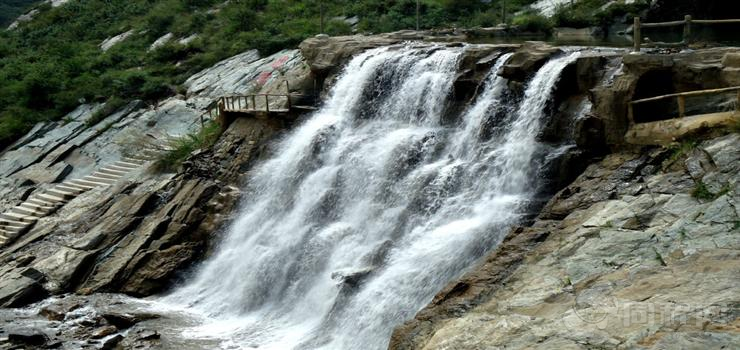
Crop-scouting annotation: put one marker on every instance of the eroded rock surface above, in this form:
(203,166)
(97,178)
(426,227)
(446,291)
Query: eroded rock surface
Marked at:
(134,235)
(624,257)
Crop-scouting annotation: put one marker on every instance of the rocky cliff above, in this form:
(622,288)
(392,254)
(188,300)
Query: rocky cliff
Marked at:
(627,232)
(641,251)
(133,235)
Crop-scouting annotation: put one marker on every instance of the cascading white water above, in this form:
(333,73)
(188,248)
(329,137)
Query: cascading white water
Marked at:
(372,206)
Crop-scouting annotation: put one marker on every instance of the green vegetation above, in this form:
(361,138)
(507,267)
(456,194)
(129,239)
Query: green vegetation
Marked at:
(181,148)
(11,9)
(587,13)
(702,192)
(532,22)
(680,150)
(53,63)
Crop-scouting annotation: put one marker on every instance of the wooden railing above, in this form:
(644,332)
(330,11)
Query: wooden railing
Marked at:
(681,97)
(686,23)
(248,103)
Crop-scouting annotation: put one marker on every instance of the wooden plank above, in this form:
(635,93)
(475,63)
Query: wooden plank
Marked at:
(681,106)
(687,94)
(637,34)
(716,21)
(663,24)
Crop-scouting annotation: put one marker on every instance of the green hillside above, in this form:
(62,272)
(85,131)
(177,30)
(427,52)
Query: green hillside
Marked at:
(52,63)
(11,9)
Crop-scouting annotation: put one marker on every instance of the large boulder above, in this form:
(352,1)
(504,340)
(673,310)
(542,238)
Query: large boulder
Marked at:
(21,287)
(527,59)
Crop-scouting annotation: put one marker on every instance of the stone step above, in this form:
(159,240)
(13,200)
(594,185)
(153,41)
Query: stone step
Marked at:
(101,180)
(37,207)
(136,161)
(40,202)
(71,189)
(61,193)
(27,211)
(18,217)
(51,198)
(76,185)
(105,176)
(124,164)
(109,171)
(12,231)
(91,184)
(12,224)
(120,168)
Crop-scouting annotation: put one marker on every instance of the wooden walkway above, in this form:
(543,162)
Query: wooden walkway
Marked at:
(666,131)
(259,105)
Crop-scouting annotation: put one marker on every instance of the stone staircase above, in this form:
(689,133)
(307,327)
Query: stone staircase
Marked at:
(19,220)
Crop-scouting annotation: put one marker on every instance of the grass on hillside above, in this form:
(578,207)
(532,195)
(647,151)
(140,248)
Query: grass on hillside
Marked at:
(182,147)
(53,63)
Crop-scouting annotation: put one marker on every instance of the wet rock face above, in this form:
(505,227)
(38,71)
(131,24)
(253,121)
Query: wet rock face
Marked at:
(530,57)
(625,256)
(74,322)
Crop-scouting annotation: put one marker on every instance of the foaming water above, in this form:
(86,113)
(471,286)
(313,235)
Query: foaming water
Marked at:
(371,206)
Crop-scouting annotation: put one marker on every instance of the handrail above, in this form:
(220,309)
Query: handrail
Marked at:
(687,94)
(686,22)
(681,96)
(241,103)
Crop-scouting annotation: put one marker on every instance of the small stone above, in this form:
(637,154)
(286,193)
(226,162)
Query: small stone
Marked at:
(28,338)
(52,314)
(111,342)
(148,335)
(122,321)
(104,332)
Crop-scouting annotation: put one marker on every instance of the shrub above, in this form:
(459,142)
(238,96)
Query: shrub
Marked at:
(181,148)
(573,17)
(702,192)
(531,22)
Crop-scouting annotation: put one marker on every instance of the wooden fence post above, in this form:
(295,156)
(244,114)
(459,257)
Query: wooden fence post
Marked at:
(637,34)
(687,29)
(631,113)
(681,106)
(267,104)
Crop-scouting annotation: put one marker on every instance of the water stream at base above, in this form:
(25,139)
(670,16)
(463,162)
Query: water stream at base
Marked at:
(372,205)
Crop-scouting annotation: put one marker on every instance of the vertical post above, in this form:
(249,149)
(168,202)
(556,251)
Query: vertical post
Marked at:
(681,106)
(254,103)
(239,101)
(287,89)
(267,104)
(637,34)
(687,29)
(418,13)
(631,113)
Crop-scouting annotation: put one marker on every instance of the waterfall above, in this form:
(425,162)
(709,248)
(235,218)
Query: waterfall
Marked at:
(372,205)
